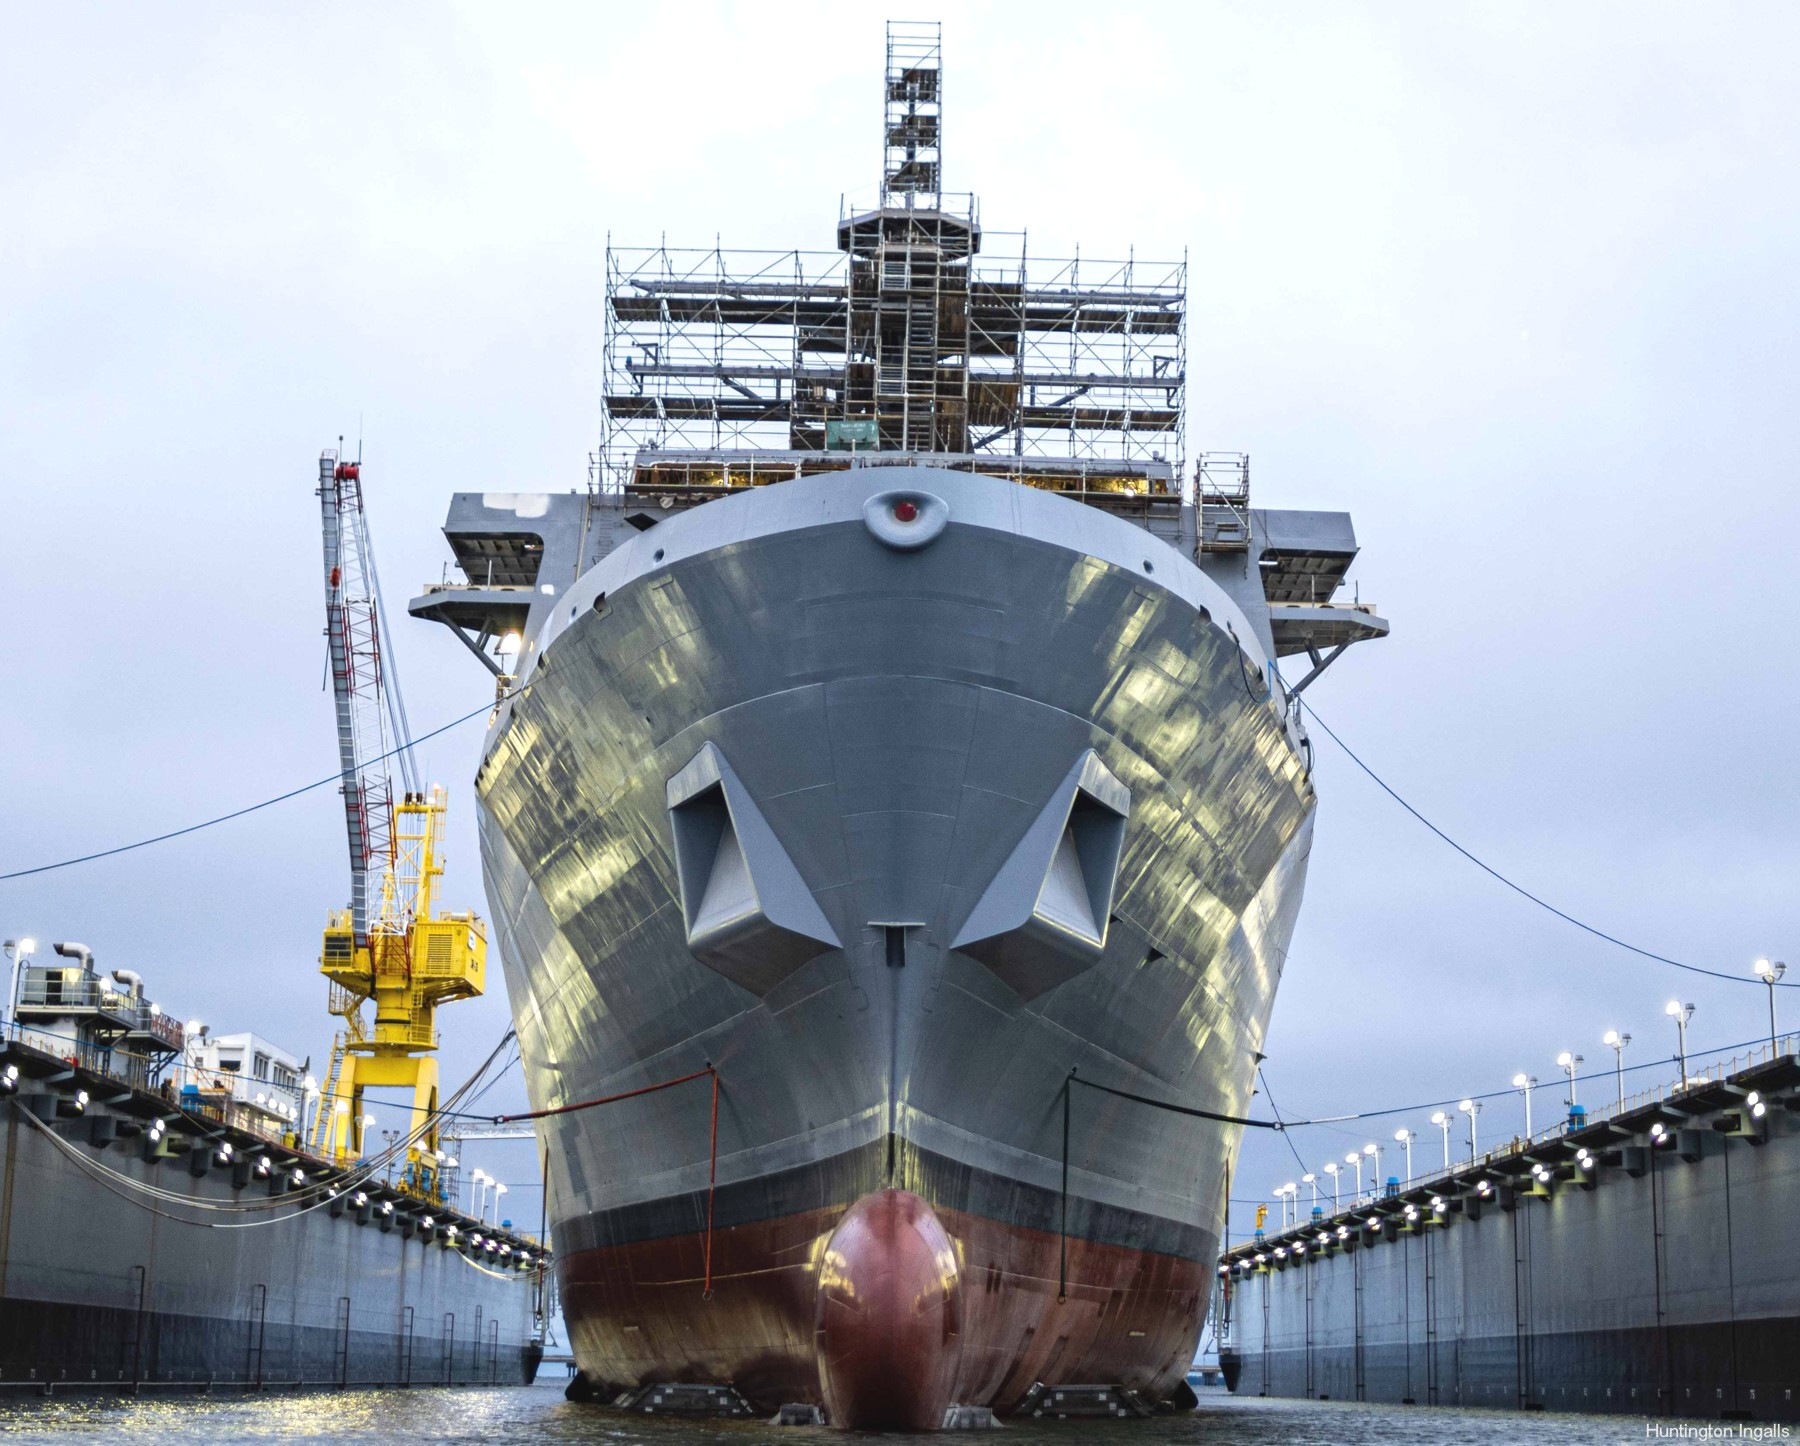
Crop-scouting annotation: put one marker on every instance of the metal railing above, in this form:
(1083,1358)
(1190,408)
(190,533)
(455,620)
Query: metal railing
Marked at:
(1700,1076)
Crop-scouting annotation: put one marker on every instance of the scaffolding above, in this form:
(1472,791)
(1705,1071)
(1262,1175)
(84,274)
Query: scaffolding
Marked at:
(730,369)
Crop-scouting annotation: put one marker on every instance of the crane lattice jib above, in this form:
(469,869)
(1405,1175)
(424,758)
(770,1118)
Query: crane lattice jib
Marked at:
(366,716)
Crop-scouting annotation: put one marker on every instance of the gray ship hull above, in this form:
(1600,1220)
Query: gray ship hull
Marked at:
(884,730)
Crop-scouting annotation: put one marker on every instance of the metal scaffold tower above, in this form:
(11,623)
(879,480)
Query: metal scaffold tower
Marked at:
(732,369)
(391,947)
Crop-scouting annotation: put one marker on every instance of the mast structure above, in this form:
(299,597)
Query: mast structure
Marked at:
(919,340)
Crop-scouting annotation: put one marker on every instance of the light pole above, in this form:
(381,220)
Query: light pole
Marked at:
(1312,1181)
(1770,972)
(309,1108)
(1332,1170)
(20,950)
(1570,1063)
(1617,1042)
(1471,1108)
(1523,1083)
(1354,1158)
(499,1190)
(1681,1014)
(480,1178)
(193,1038)
(1442,1121)
(1406,1137)
(1373,1151)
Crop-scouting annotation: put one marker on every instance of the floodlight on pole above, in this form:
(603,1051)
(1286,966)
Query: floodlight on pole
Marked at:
(1442,1121)
(1523,1083)
(1770,972)
(1617,1042)
(1471,1108)
(1406,1138)
(1570,1063)
(1681,1014)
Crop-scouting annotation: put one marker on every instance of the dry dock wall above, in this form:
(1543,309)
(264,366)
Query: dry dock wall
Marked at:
(1661,1278)
(103,1286)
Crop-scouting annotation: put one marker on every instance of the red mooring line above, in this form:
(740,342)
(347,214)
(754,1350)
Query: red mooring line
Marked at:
(608,1099)
(712,1166)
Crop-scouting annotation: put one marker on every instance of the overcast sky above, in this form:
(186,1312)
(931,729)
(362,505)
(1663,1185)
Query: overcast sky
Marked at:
(1513,284)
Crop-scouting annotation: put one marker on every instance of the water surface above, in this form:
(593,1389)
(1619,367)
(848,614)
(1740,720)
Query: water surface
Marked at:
(538,1416)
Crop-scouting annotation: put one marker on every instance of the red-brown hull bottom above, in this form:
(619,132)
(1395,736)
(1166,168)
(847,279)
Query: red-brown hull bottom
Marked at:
(638,1314)
(888,1321)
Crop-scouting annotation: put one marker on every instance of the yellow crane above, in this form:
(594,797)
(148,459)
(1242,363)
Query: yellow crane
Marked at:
(391,949)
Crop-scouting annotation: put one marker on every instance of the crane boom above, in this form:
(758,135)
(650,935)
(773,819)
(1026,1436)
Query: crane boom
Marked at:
(371,723)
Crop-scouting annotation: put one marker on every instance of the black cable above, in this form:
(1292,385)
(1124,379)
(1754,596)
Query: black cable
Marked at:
(235,813)
(1191,1111)
(1520,889)
(1281,1124)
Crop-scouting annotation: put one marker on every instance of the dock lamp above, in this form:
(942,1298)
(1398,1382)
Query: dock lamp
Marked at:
(479,1179)
(1373,1151)
(19,950)
(1442,1121)
(1616,1042)
(1312,1181)
(1681,1014)
(1406,1138)
(1280,1192)
(500,1190)
(1523,1083)
(1570,1063)
(1331,1169)
(1770,972)
(1471,1108)
(1354,1158)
